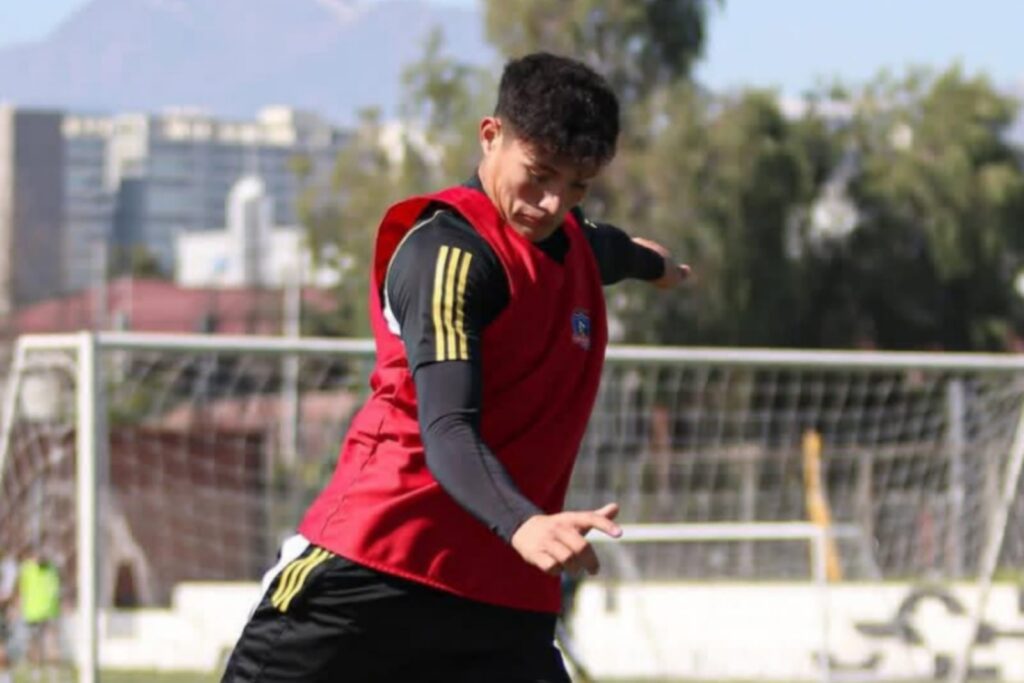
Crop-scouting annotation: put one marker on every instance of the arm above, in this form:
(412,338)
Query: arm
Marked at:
(448,381)
(448,390)
(448,395)
(620,256)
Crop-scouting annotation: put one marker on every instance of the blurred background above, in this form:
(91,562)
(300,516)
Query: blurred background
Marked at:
(845,178)
(840,175)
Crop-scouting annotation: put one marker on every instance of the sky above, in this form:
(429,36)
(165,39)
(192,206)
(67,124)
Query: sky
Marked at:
(788,44)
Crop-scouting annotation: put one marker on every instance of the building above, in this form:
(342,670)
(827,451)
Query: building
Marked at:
(251,251)
(141,180)
(89,202)
(78,189)
(173,171)
(32,158)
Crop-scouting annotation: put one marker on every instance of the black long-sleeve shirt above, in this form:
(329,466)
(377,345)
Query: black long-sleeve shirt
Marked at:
(448,391)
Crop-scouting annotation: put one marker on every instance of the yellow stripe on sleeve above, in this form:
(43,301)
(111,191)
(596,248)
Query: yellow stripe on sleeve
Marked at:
(460,321)
(449,304)
(442,258)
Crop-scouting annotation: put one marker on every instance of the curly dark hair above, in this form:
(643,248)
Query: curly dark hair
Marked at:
(561,105)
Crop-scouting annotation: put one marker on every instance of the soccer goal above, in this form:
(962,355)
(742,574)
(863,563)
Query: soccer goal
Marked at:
(789,516)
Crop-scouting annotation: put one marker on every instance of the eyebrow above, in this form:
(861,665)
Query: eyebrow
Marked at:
(547,168)
(541,166)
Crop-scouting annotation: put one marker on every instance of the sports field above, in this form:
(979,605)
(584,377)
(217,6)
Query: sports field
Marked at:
(156,677)
(23,676)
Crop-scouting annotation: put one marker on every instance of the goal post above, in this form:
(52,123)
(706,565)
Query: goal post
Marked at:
(920,496)
(879,494)
(1010,493)
(817,537)
(77,360)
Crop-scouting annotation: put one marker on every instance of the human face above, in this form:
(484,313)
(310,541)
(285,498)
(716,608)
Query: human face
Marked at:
(531,189)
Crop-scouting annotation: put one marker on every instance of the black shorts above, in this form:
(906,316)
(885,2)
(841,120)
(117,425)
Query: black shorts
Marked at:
(325,618)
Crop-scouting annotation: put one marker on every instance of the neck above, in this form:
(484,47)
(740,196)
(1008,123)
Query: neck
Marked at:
(488,180)
(486,175)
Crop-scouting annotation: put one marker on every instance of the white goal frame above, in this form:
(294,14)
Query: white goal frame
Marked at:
(816,536)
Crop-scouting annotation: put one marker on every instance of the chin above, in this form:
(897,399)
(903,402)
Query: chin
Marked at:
(534,233)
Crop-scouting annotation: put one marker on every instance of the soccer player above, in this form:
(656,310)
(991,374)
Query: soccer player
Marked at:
(434,553)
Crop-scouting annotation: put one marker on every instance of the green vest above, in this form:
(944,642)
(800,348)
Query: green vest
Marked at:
(38,591)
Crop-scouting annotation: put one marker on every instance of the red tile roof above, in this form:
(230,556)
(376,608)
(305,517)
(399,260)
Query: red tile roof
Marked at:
(152,305)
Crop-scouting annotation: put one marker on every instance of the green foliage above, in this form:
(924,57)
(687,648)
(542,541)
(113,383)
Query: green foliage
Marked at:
(941,195)
(135,261)
(733,186)
(433,146)
(720,182)
(446,100)
(930,196)
(638,45)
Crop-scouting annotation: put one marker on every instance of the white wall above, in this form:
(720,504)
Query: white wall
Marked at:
(775,631)
(709,631)
(202,625)
(211,259)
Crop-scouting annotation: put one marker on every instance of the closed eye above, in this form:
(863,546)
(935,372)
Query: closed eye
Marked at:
(538,178)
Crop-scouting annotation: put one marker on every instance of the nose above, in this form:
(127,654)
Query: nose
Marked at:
(551,202)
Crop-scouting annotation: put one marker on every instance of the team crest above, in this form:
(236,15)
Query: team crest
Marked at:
(581,328)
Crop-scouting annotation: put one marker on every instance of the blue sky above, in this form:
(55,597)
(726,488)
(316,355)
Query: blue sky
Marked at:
(791,43)
(781,43)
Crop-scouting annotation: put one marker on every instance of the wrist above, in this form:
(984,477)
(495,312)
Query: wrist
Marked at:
(517,526)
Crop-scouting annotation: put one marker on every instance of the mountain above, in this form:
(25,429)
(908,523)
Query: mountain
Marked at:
(232,57)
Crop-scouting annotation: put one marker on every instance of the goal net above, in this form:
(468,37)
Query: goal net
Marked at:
(790,515)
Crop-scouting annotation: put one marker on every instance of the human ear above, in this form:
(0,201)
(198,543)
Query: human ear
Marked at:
(490,133)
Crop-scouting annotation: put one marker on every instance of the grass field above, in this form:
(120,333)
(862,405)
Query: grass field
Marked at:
(155,677)
(65,676)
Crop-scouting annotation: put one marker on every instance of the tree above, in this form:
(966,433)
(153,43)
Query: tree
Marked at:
(382,164)
(940,192)
(639,46)
(443,101)
(340,224)
(721,184)
(738,187)
(135,261)
(646,50)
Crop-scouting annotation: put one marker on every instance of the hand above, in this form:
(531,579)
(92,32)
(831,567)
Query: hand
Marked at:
(556,543)
(675,273)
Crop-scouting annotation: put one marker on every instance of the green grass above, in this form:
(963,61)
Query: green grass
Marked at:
(23,676)
(65,676)
(139,677)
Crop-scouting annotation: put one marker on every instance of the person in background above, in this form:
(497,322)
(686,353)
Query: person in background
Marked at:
(39,605)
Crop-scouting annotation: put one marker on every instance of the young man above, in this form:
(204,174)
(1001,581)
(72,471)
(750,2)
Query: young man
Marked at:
(434,552)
